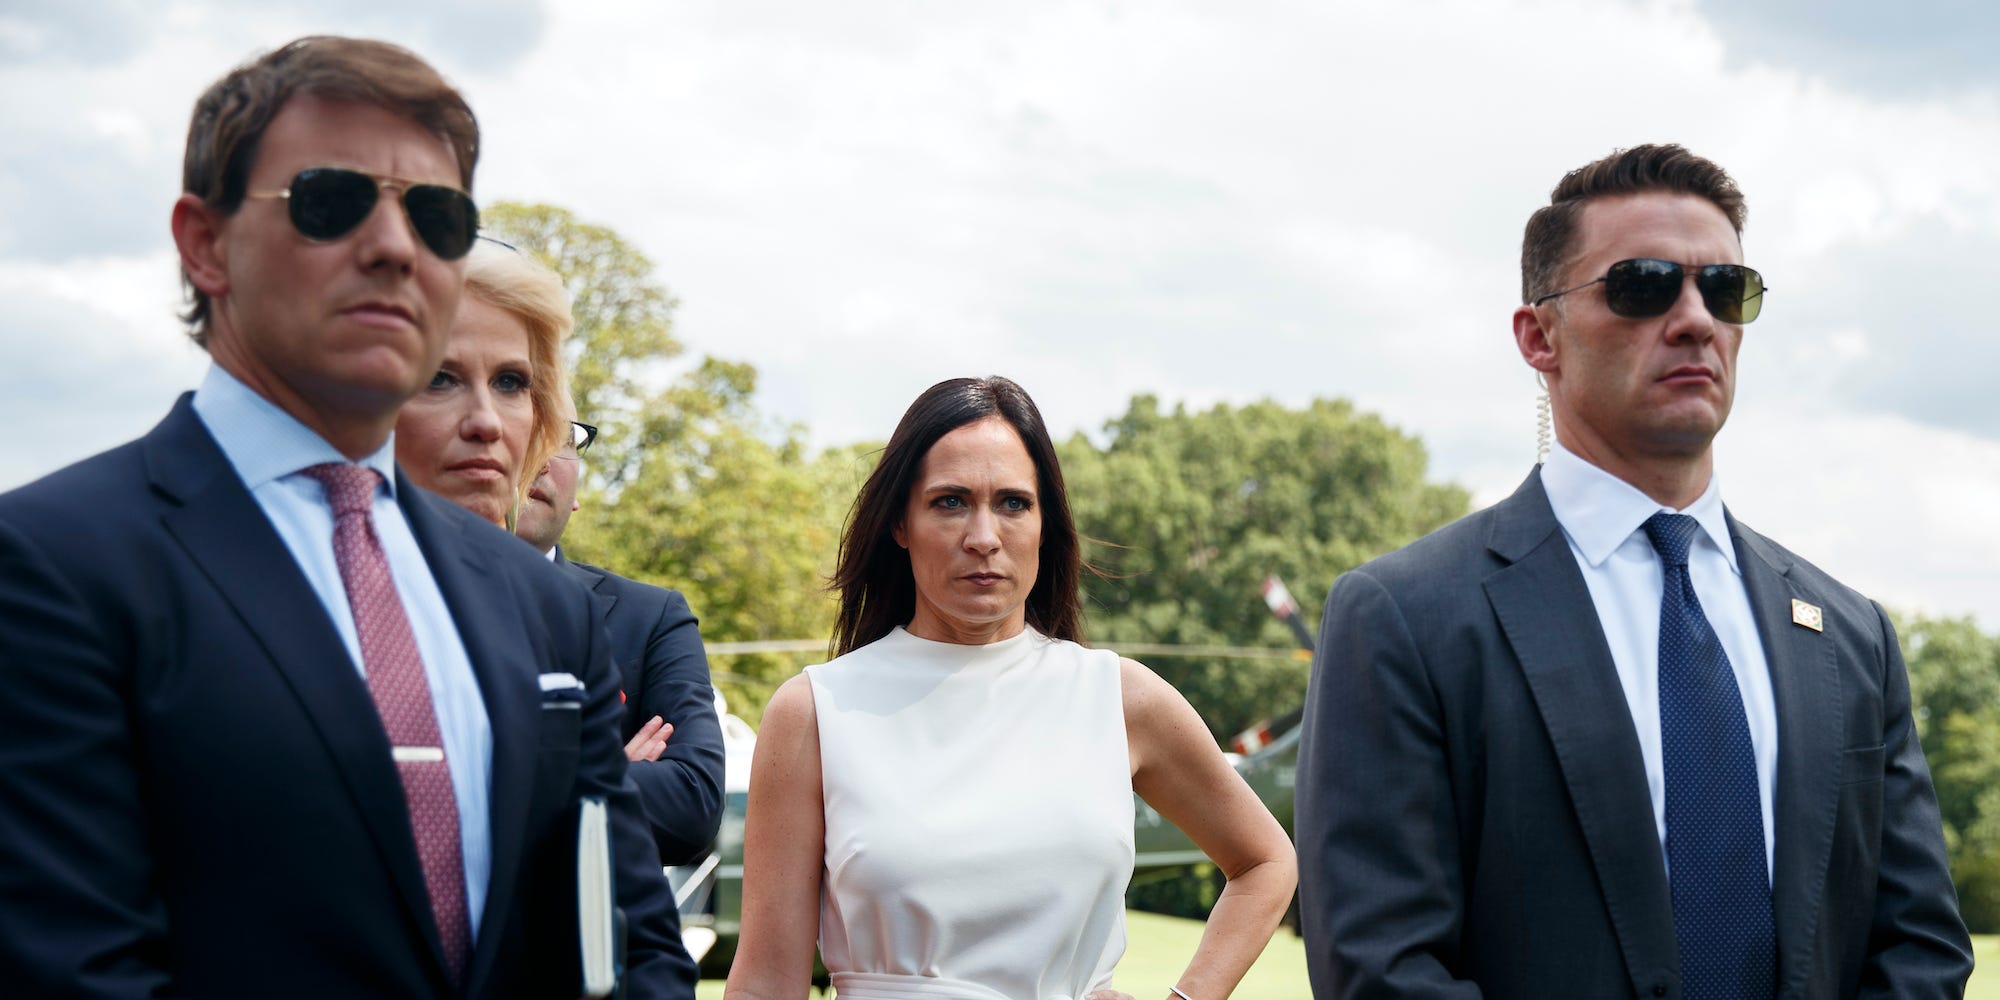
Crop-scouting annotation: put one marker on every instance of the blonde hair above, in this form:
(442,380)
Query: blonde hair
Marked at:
(526,288)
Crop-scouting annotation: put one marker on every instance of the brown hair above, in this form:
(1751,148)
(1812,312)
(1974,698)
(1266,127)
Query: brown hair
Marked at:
(877,588)
(528,290)
(1551,235)
(231,116)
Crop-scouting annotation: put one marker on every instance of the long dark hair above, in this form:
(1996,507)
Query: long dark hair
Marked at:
(877,589)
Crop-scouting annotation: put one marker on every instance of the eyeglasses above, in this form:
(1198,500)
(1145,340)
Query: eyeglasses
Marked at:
(1645,287)
(327,203)
(581,435)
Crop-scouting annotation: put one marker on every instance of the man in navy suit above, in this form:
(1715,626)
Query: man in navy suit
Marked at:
(1602,739)
(672,735)
(203,789)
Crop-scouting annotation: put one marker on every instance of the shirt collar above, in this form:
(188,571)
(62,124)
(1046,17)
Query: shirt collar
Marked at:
(263,442)
(1599,511)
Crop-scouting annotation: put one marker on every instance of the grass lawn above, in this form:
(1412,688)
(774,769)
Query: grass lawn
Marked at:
(1985,983)
(1156,949)
(1159,946)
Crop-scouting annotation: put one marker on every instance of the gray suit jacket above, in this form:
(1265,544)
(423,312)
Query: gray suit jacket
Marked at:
(1473,816)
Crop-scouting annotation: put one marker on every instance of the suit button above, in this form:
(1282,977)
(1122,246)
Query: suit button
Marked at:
(1659,989)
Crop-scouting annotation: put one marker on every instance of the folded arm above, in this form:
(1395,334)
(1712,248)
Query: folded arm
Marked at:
(654,967)
(682,786)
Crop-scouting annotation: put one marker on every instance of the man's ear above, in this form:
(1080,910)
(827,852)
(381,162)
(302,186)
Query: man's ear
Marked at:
(1536,342)
(198,236)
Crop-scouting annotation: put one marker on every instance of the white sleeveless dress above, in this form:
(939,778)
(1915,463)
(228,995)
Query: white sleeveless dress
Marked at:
(978,819)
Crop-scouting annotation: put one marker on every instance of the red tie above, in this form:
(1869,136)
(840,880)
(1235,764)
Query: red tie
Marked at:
(402,696)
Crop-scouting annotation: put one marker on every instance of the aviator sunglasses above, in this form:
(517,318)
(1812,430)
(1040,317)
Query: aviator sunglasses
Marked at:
(327,203)
(1645,287)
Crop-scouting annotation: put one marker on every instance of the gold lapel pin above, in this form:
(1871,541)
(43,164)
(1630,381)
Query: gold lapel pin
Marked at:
(1808,615)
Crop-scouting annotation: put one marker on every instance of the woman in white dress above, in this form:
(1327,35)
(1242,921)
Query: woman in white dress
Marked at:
(946,807)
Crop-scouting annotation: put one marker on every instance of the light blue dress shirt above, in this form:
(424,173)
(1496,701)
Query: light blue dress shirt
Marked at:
(1603,517)
(267,447)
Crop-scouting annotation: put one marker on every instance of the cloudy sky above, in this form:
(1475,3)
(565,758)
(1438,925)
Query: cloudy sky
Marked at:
(1207,201)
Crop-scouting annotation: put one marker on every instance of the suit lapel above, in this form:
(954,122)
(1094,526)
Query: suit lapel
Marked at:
(1546,612)
(225,533)
(1805,680)
(629,662)
(592,577)
(482,602)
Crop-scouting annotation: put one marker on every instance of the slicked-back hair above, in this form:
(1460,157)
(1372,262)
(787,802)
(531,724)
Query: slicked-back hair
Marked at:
(877,587)
(1550,240)
(231,117)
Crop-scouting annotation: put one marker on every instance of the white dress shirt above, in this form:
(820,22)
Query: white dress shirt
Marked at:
(1603,516)
(268,447)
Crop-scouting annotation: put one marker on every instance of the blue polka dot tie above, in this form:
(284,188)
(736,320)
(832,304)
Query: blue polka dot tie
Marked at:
(1715,821)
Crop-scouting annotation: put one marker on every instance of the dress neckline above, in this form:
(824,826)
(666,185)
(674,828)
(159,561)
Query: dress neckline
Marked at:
(970,654)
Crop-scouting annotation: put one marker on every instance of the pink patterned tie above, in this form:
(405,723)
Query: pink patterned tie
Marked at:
(402,696)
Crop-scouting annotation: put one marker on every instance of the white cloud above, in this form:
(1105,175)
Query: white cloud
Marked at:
(91,364)
(1898,510)
(1208,202)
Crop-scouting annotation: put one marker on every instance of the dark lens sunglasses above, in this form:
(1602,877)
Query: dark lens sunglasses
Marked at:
(327,203)
(1645,287)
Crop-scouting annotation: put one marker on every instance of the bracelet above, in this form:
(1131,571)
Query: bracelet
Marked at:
(1175,990)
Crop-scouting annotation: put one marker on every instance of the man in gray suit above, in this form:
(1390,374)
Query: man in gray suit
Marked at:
(1602,739)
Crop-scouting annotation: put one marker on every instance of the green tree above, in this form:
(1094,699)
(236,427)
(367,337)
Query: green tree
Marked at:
(1955,697)
(746,528)
(1191,511)
(687,486)
(621,356)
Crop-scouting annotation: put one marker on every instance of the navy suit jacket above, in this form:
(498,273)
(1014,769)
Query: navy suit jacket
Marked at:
(657,650)
(1473,814)
(197,792)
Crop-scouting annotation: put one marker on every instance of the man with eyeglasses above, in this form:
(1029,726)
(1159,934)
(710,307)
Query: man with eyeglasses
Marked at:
(672,735)
(552,496)
(1602,739)
(276,722)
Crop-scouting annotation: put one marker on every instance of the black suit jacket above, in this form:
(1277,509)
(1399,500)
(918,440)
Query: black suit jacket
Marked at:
(1473,815)
(657,650)
(197,792)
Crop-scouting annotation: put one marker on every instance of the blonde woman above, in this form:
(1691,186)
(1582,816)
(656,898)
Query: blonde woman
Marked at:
(492,414)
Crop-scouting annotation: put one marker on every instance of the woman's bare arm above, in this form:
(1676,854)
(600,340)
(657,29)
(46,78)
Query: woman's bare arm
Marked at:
(1178,770)
(784,847)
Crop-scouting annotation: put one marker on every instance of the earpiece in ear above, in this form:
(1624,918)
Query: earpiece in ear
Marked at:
(1542,420)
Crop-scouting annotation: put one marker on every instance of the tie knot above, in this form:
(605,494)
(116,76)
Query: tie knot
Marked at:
(1671,535)
(349,488)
